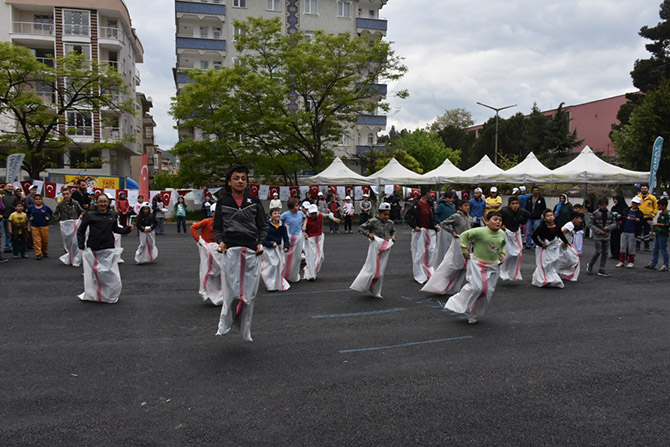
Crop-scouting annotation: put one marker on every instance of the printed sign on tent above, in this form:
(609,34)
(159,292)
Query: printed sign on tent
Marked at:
(341,192)
(358,193)
(284,193)
(119,191)
(465,195)
(366,189)
(198,196)
(263,192)
(348,191)
(132,196)
(111,193)
(306,189)
(374,188)
(253,189)
(332,189)
(433,195)
(50,190)
(25,185)
(97,192)
(388,190)
(273,189)
(183,192)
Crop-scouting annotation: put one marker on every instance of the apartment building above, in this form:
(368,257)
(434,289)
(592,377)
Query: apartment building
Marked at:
(205,36)
(102,30)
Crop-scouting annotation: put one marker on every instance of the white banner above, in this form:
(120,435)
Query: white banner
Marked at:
(263,192)
(198,196)
(284,193)
(14,166)
(341,192)
(358,193)
(132,196)
(388,190)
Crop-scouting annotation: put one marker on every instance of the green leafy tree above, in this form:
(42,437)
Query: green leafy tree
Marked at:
(648,73)
(73,83)
(458,118)
(425,147)
(401,157)
(286,103)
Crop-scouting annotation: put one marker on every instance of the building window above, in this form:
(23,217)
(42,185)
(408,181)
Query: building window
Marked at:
(76,23)
(345,140)
(237,31)
(79,123)
(112,29)
(78,48)
(239,3)
(343,9)
(44,24)
(82,158)
(310,104)
(216,65)
(148,132)
(371,139)
(204,32)
(373,13)
(311,7)
(46,91)
(272,5)
(204,65)
(216,32)
(309,36)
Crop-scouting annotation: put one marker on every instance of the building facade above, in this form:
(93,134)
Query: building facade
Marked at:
(102,30)
(205,39)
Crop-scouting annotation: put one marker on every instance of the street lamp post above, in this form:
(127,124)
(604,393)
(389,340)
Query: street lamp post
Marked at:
(496,110)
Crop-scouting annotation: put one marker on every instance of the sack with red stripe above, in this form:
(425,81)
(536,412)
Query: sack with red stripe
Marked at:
(146,252)
(102,279)
(442,244)
(272,269)
(450,274)
(68,231)
(569,263)
(546,270)
(210,286)
(371,276)
(475,296)
(293,258)
(117,247)
(313,256)
(510,270)
(241,269)
(423,247)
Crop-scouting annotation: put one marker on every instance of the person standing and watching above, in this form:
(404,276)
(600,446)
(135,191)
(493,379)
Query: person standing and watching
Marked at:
(661,227)
(602,225)
(477,207)
(563,210)
(123,208)
(81,195)
(493,201)
(649,208)
(275,202)
(536,205)
(39,215)
(9,203)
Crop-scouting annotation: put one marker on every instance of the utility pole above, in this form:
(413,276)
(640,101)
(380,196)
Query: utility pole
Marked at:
(496,110)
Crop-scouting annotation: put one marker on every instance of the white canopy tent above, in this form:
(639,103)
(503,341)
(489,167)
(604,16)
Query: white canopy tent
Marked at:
(445,173)
(337,173)
(530,170)
(483,172)
(395,173)
(587,167)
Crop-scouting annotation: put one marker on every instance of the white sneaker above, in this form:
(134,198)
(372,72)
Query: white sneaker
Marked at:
(472,320)
(620,264)
(630,265)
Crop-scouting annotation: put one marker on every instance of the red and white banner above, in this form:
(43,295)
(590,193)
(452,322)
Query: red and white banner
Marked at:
(50,190)
(165,197)
(253,189)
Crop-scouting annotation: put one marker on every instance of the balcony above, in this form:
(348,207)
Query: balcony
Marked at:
(361,150)
(111,38)
(112,64)
(379,89)
(199,8)
(371,120)
(371,24)
(28,33)
(137,77)
(193,43)
(111,134)
(182,78)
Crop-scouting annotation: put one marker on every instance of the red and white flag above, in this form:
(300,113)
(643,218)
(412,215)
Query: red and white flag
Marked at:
(50,190)
(144,178)
(253,189)
(165,196)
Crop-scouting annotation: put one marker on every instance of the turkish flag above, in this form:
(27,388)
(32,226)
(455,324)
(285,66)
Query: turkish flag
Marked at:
(433,194)
(98,191)
(73,188)
(366,189)
(119,191)
(274,189)
(26,184)
(348,191)
(144,177)
(294,191)
(416,193)
(314,190)
(183,192)
(165,196)
(332,189)
(253,189)
(50,190)
(465,195)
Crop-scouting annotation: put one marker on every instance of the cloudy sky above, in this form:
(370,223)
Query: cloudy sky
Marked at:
(459,52)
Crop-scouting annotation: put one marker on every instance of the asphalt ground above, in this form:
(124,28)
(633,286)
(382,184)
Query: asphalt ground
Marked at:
(583,365)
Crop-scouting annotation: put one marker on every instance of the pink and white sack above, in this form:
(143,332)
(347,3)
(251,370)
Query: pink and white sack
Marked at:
(546,270)
(569,263)
(118,247)
(273,263)
(371,276)
(68,231)
(102,280)
(450,274)
(510,270)
(475,296)
(241,274)
(210,286)
(313,256)
(293,258)
(442,244)
(147,251)
(423,247)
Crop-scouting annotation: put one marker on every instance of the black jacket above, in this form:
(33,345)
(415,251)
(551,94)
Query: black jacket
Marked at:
(412,214)
(146,220)
(240,226)
(513,220)
(535,207)
(543,232)
(102,227)
(83,199)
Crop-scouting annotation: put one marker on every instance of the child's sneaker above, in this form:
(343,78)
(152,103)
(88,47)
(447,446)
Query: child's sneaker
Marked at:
(650,266)
(25,255)
(16,256)
(620,264)
(589,268)
(630,265)
(602,272)
(472,320)
(664,268)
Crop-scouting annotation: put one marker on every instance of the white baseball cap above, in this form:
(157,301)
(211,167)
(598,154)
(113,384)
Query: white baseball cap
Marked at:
(522,188)
(347,198)
(306,204)
(212,208)
(320,193)
(366,195)
(147,204)
(478,189)
(494,189)
(275,194)
(384,206)
(636,199)
(515,190)
(313,209)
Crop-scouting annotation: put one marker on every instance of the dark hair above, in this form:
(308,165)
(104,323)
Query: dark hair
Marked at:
(291,203)
(603,201)
(491,214)
(545,212)
(578,205)
(576,214)
(663,201)
(460,203)
(102,194)
(425,190)
(18,203)
(272,210)
(37,195)
(535,187)
(239,168)
(513,199)
(449,195)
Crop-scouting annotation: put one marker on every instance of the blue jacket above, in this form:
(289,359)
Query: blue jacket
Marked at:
(477,208)
(277,235)
(443,210)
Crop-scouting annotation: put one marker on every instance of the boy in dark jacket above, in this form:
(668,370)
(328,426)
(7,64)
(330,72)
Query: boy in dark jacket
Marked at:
(631,227)
(602,224)
(536,206)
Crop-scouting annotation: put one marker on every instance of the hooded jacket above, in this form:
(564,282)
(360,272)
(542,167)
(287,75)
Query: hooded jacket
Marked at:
(240,226)
(102,228)
(562,215)
(384,230)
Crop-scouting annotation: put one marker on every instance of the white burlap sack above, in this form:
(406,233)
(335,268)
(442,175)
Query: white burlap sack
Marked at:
(313,256)
(423,246)
(118,247)
(371,276)
(475,296)
(102,280)
(241,269)
(147,250)
(292,265)
(273,264)
(68,231)
(569,263)
(442,244)
(210,285)
(510,270)
(546,270)
(450,274)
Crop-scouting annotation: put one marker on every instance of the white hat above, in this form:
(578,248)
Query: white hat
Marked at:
(147,204)
(320,193)
(306,204)
(384,206)
(494,189)
(478,189)
(275,194)
(313,209)
(522,188)
(636,199)
(347,198)
(366,195)
(515,190)
(212,208)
